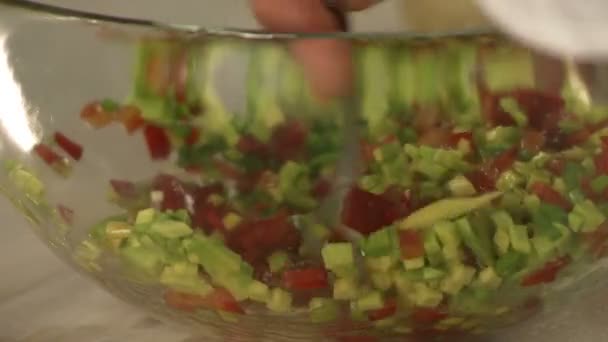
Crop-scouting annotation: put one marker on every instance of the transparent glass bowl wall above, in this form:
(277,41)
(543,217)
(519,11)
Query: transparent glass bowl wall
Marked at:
(49,68)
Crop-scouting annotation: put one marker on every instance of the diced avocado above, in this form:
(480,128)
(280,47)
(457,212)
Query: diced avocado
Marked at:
(432,248)
(27,182)
(295,186)
(170,229)
(338,256)
(345,288)
(471,240)
(217,259)
(510,263)
(323,310)
(231,220)
(279,301)
(429,273)
(585,217)
(383,242)
(503,222)
(446,231)
(116,232)
(370,301)
(143,260)
(518,235)
(258,291)
(509,180)
(460,186)
(413,264)
(277,261)
(382,281)
(488,278)
(145,216)
(446,209)
(458,277)
(380,264)
(422,295)
(184,277)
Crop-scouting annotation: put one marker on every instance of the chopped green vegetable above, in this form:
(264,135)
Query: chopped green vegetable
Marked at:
(370,301)
(338,256)
(277,261)
(279,301)
(446,209)
(323,310)
(585,217)
(171,229)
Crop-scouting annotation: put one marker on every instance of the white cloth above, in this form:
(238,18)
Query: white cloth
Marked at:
(573,28)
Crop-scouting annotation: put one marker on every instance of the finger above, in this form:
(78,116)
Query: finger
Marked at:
(327,65)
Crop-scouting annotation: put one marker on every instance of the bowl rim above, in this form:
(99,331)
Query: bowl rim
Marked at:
(66,13)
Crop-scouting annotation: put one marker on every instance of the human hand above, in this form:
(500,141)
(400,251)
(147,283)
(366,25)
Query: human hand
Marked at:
(327,63)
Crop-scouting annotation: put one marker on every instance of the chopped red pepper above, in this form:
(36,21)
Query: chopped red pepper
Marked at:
(158,142)
(428,315)
(305,279)
(484,179)
(174,192)
(547,194)
(411,244)
(289,140)
(50,157)
(547,273)
(131,118)
(255,240)
(389,309)
(68,145)
(124,189)
(95,115)
(219,299)
(366,212)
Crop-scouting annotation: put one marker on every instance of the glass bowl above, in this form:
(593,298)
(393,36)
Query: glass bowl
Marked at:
(194,173)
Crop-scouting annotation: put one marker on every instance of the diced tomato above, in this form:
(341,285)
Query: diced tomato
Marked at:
(321,188)
(289,140)
(549,195)
(219,299)
(556,166)
(491,110)
(503,162)
(158,142)
(305,279)
(389,309)
(95,115)
(547,273)
(66,213)
(411,244)
(131,118)
(174,192)
(481,181)
(542,109)
(68,145)
(532,141)
(255,240)
(47,154)
(365,211)
(428,315)
(249,144)
(400,204)
(124,189)
(208,217)
(456,138)
(193,137)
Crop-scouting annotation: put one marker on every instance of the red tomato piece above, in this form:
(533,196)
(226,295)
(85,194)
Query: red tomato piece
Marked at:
(68,145)
(219,299)
(547,194)
(456,138)
(547,273)
(365,212)
(502,163)
(411,244)
(428,315)
(249,144)
(174,192)
(533,141)
(556,166)
(305,279)
(131,118)
(95,115)
(124,189)
(389,309)
(47,154)
(255,240)
(321,189)
(481,181)
(542,109)
(158,142)
(289,140)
